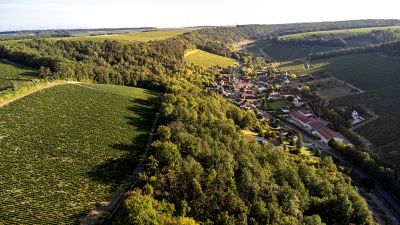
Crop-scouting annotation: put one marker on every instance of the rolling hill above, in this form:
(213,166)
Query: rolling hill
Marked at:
(206,59)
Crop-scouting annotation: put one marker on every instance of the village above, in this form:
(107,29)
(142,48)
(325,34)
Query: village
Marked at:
(272,97)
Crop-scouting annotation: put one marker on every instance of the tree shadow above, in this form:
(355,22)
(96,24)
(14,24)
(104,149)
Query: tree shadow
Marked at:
(113,171)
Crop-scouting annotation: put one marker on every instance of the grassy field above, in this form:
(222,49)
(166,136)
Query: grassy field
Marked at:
(277,104)
(11,74)
(339,32)
(64,149)
(202,58)
(134,36)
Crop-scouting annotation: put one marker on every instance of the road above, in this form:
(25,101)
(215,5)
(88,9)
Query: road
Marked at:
(261,50)
(383,199)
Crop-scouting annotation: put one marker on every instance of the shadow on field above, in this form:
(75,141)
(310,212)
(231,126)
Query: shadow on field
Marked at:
(114,170)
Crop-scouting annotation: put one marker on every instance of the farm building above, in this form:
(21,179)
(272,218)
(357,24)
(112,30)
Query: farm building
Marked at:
(308,121)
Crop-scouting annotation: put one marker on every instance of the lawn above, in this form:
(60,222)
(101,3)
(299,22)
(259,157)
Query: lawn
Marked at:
(203,58)
(277,104)
(11,74)
(64,149)
(133,36)
(349,32)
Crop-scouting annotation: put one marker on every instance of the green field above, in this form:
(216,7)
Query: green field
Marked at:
(134,36)
(338,32)
(64,149)
(277,104)
(366,71)
(282,52)
(203,58)
(11,74)
(375,73)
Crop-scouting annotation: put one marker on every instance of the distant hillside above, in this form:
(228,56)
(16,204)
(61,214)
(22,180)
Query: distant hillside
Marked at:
(202,58)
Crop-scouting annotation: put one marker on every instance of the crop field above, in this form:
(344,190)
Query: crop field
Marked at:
(348,32)
(390,153)
(386,103)
(134,36)
(65,148)
(376,74)
(203,58)
(282,52)
(11,73)
(367,71)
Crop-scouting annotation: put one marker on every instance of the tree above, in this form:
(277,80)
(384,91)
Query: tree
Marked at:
(299,143)
(292,76)
(45,72)
(290,98)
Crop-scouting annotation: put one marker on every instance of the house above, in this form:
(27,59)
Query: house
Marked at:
(275,95)
(305,113)
(285,110)
(262,89)
(298,117)
(356,118)
(307,65)
(298,102)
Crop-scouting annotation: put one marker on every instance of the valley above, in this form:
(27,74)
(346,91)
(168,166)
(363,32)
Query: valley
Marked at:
(215,125)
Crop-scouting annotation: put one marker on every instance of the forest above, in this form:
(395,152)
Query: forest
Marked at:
(200,169)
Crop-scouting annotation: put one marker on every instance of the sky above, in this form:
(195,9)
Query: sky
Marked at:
(63,14)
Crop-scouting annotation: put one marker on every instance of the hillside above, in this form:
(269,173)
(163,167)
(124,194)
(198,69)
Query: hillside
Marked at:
(142,36)
(342,32)
(203,58)
(64,149)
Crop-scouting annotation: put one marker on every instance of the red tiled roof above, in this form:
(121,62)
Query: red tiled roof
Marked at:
(315,124)
(300,117)
(322,129)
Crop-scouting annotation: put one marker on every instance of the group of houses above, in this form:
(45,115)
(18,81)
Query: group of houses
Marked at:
(248,92)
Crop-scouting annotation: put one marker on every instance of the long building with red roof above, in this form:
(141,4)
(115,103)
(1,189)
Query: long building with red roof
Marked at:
(308,121)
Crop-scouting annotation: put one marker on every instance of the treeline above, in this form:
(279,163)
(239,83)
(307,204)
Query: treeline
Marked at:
(268,31)
(200,168)
(344,39)
(38,36)
(386,176)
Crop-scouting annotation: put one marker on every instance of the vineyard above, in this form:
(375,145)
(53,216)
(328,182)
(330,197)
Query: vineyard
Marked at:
(390,153)
(283,52)
(64,149)
(203,58)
